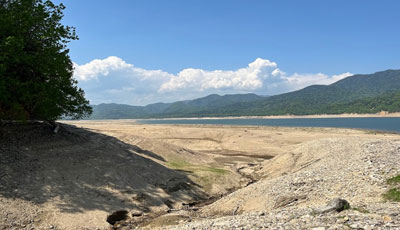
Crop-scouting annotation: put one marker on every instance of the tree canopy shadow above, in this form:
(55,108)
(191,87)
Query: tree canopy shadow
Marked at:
(79,170)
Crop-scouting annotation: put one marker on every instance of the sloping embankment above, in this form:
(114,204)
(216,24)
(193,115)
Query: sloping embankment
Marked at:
(74,179)
(301,181)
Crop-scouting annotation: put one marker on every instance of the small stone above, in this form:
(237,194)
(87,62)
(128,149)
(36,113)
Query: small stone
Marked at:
(387,218)
(136,213)
(354,226)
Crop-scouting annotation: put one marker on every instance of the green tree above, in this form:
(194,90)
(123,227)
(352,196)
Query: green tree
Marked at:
(36,72)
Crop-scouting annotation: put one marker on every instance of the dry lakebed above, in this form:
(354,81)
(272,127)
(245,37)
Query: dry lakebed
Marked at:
(122,175)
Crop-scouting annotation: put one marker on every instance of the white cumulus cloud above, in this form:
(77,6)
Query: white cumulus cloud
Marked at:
(99,67)
(298,81)
(250,78)
(114,80)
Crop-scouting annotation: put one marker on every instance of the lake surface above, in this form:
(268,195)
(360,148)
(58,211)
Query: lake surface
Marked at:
(391,124)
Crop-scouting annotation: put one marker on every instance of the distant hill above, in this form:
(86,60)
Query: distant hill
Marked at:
(213,101)
(316,98)
(361,93)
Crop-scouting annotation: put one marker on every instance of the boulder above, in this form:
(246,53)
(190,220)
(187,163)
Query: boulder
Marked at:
(336,204)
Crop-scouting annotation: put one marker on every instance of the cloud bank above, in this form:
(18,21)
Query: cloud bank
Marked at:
(114,80)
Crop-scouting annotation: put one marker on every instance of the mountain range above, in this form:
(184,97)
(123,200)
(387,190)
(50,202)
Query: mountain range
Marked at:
(360,93)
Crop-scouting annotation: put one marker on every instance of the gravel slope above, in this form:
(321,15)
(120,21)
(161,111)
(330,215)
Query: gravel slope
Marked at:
(310,176)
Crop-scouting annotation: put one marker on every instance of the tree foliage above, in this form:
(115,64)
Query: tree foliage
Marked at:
(35,69)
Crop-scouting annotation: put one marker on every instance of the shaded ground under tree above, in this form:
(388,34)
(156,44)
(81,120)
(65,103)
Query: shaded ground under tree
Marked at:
(77,170)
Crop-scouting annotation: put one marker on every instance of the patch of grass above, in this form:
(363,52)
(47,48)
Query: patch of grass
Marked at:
(186,166)
(216,170)
(178,164)
(392,195)
(362,210)
(203,174)
(394,180)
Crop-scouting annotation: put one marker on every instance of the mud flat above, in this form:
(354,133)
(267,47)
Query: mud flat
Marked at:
(163,175)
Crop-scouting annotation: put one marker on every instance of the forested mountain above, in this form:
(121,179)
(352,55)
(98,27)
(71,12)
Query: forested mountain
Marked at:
(210,102)
(368,93)
(389,102)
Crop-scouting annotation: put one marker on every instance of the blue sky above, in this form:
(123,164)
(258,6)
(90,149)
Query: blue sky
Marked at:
(201,47)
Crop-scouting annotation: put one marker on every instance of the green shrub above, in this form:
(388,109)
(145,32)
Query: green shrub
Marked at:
(392,195)
(394,180)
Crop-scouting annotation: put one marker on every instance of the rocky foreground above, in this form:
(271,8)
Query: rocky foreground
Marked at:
(355,169)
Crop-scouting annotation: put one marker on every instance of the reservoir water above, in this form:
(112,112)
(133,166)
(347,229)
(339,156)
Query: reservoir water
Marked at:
(391,124)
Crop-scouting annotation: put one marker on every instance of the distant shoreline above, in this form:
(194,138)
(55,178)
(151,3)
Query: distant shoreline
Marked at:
(344,115)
